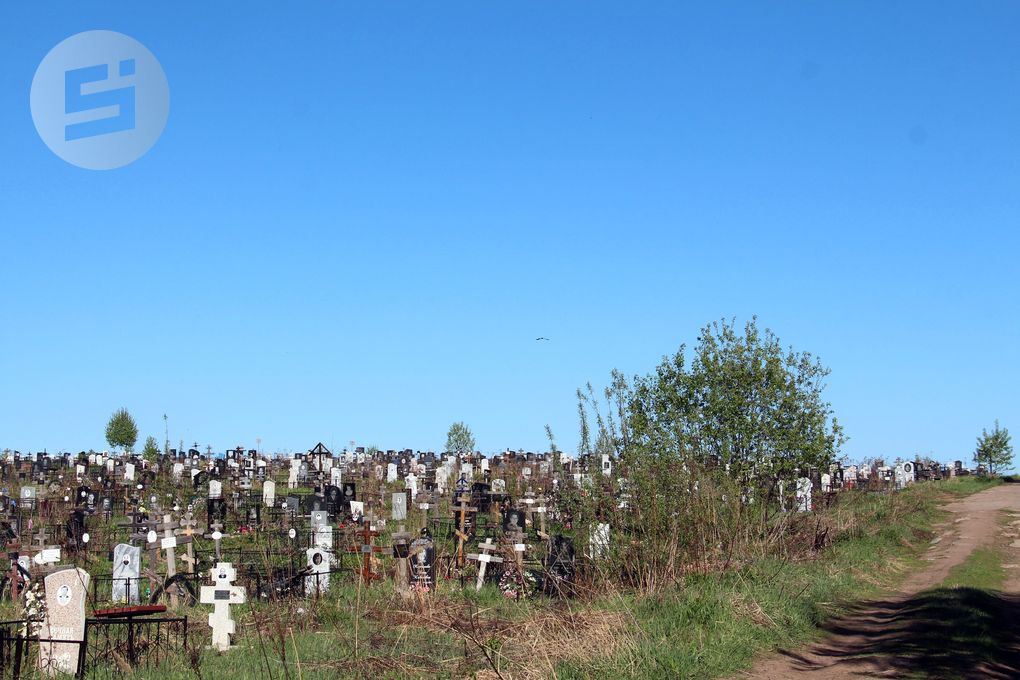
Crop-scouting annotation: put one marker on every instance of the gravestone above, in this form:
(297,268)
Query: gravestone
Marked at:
(803,495)
(216,514)
(269,493)
(560,565)
(350,491)
(66,591)
(598,541)
(399,506)
(422,554)
(357,510)
(127,562)
(317,581)
(129,472)
(513,521)
(215,489)
(221,595)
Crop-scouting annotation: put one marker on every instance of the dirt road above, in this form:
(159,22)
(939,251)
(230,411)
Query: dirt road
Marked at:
(923,631)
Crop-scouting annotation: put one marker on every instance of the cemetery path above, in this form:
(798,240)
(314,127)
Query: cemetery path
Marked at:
(920,632)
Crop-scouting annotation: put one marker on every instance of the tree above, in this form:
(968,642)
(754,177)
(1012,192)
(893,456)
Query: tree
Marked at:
(121,430)
(150,451)
(994,449)
(460,439)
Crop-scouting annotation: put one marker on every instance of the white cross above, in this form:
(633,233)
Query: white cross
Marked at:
(483,560)
(221,596)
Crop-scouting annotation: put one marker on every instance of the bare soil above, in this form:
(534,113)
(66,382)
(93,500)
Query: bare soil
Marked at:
(921,631)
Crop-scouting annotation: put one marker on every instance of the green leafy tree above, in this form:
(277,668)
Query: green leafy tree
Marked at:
(150,451)
(703,444)
(459,438)
(994,449)
(743,404)
(121,430)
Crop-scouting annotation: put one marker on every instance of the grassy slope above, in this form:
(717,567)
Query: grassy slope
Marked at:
(718,623)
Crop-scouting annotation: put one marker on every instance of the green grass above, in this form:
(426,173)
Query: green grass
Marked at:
(982,569)
(965,486)
(716,624)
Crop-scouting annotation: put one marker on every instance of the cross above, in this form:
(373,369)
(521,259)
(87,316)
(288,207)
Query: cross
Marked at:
(541,510)
(188,529)
(483,559)
(366,549)
(169,542)
(152,546)
(216,536)
(530,501)
(221,595)
(12,551)
(463,508)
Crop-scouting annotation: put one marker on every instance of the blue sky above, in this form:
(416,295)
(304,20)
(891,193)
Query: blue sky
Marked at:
(360,217)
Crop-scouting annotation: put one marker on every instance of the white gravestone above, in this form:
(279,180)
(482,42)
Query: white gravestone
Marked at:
(269,493)
(598,541)
(803,495)
(391,472)
(221,595)
(826,482)
(126,571)
(215,488)
(66,591)
(178,470)
(357,510)
(129,472)
(295,466)
(398,506)
(317,582)
(336,476)
(411,481)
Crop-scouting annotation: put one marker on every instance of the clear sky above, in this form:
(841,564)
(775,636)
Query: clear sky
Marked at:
(361,215)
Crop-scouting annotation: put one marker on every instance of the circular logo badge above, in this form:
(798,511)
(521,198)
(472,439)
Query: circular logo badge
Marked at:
(100,100)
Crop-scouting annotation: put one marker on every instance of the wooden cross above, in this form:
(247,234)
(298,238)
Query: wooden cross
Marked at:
(461,533)
(540,509)
(483,559)
(188,530)
(366,549)
(516,540)
(529,502)
(13,548)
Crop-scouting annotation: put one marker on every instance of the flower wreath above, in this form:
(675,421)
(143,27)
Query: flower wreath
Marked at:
(517,584)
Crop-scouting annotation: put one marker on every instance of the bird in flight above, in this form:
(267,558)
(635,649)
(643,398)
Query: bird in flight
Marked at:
(541,338)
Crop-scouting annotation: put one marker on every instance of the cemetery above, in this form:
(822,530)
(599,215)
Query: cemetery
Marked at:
(120,564)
